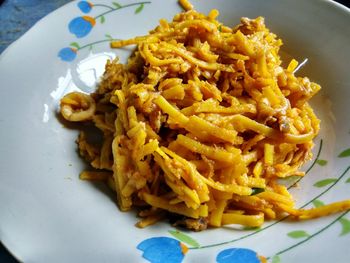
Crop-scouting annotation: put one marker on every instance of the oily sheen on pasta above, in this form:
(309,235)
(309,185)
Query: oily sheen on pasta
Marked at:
(200,124)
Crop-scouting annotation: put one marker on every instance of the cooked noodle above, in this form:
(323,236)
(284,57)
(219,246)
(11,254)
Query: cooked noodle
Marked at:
(200,124)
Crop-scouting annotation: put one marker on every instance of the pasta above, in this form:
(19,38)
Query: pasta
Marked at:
(200,124)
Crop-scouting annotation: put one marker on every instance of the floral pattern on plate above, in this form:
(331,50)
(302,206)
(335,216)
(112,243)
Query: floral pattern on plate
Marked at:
(81,26)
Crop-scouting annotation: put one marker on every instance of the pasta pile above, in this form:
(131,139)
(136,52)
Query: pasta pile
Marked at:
(200,124)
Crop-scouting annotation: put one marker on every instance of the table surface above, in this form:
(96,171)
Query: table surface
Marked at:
(16,17)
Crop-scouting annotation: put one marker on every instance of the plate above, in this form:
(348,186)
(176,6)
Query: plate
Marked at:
(48,215)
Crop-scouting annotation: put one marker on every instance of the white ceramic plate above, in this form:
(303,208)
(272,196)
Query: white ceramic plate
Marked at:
(48,215)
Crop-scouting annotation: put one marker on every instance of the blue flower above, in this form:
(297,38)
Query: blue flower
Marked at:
(81,26)
(237,255)
(67,54)
(85,6)
(162,249)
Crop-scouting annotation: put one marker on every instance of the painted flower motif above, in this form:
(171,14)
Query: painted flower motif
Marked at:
(237,255)
(163,249)
(81,26)
(67,54)
(85,6)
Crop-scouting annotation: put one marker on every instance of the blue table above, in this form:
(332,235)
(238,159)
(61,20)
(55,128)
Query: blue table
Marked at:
(16,17)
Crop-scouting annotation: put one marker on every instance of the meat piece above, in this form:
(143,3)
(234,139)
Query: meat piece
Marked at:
(192,224)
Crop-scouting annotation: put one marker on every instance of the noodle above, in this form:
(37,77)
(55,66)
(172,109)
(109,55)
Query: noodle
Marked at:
(200,117)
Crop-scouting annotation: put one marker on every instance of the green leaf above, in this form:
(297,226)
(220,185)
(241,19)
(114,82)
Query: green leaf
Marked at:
(321,162)
(298,234)
(276,259)
(345,223)
(74,44)
(139,9)
(108,36)
(251,228)
(325,182)
(348,180)
(256,191)
(184,238)
(317,203)
(345,153)
(102,19)
(220,28)
(117,5)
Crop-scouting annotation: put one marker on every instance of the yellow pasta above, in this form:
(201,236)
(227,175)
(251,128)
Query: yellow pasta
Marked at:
(95,175)
(246,220)
(200,124)
(186,4)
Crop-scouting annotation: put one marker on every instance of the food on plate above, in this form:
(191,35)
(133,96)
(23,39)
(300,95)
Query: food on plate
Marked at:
(200,124)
